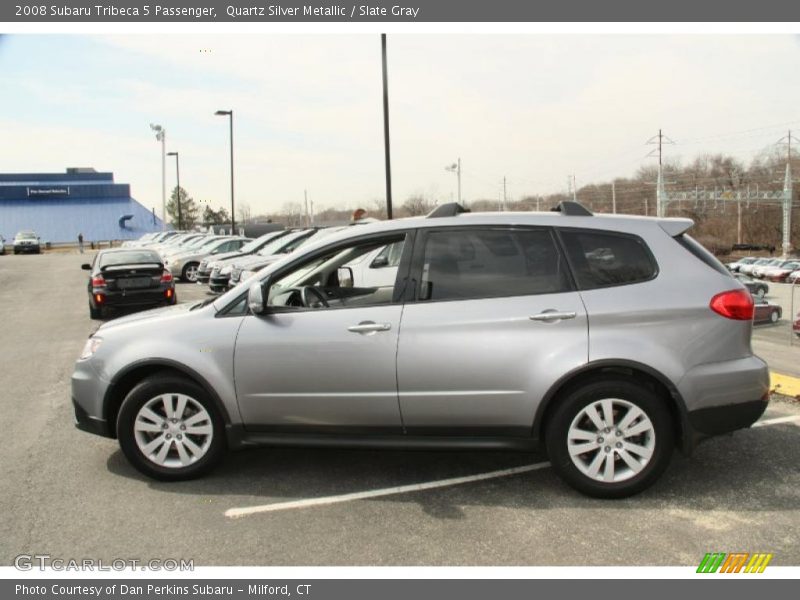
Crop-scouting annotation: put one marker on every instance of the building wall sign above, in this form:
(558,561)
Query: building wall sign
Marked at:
(48,191)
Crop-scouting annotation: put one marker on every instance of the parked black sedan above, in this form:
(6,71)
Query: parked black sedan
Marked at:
(128,277)
(757,288)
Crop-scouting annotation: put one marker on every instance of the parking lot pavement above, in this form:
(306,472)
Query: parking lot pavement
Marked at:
(73,495)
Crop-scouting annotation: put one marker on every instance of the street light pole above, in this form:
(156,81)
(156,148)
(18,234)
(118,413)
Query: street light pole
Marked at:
(456,168)
(178,187)
(229,113)
(161,135)
(386,145)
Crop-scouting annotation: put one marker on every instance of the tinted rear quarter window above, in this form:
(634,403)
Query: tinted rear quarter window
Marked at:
(603,259)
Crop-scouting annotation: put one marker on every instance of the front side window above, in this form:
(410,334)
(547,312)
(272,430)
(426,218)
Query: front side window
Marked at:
(602,259)
(485,263)
(328,280)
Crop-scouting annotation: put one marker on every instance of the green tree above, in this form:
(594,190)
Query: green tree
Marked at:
(189,210)
(215,217)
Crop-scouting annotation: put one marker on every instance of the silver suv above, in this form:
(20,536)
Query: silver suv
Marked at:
(608,340)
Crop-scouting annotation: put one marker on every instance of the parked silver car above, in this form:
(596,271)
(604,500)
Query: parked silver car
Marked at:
(607,339)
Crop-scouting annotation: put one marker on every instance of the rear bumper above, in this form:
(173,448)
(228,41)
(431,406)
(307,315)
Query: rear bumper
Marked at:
(723,419)
(725,396)
(149,297)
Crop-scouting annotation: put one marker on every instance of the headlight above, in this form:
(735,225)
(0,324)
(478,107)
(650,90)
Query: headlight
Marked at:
(91,346)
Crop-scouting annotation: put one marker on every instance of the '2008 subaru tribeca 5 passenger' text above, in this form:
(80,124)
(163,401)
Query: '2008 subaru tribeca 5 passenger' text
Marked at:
(606,339)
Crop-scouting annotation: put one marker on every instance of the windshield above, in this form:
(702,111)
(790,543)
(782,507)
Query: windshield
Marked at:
(26,235)
(276,245)
(129,257)
(255,244)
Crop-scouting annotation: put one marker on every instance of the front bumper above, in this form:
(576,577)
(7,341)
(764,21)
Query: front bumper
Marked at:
(88,391)
(90,424)
(27,249)
(219,283)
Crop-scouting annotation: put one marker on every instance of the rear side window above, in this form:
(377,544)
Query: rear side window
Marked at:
(602,259)
(701,253)
(488,263)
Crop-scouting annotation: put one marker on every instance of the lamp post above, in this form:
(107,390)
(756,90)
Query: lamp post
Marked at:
(178,187)
(229,113)
(456,168)
(161,135)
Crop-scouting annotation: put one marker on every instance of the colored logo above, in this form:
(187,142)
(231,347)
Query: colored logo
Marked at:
(744,562)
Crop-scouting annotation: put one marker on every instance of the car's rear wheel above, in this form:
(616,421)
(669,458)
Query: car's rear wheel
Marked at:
(189,272)
(169,429)
(610,438)
(773,316)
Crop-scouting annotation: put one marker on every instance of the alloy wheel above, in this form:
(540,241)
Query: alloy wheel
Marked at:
(173,430)
(611,440)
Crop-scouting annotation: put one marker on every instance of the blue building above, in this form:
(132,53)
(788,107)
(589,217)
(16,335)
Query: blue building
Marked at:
(59,206)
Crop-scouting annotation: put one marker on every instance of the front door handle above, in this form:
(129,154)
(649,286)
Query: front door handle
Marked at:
(369,327)
(552,315)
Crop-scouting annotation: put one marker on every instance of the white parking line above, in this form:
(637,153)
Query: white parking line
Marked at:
(235,513)
(776,421)
(401,489)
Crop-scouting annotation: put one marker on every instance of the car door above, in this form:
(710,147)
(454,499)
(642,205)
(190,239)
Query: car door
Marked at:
(494,323)
(310,367)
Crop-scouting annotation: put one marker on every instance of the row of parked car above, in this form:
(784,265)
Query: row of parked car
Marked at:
(772,269)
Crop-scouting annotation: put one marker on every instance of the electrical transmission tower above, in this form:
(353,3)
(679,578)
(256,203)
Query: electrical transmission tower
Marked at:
(661,194)
(723,197)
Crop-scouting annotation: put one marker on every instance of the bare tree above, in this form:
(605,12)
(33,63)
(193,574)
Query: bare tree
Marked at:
(418,205)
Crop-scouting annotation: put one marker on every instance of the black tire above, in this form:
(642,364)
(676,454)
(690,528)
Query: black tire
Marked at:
(571,405)
(140,395)
(185,271)
(95,313)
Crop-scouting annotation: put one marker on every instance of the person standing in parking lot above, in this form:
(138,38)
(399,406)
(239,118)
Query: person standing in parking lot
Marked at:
(80,242)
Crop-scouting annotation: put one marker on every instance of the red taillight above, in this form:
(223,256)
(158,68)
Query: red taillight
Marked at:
(169,293)
(98,282)
(166,276)
(734,304)
(99,298)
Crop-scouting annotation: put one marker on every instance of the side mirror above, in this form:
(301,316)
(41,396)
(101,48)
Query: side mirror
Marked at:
(345,277)
(86,267)
(255,297)
(380,261)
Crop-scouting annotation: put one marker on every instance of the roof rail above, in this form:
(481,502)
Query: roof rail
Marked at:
(451,209)
(572,209)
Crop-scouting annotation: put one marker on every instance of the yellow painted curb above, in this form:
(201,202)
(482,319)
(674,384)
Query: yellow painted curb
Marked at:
(784,384)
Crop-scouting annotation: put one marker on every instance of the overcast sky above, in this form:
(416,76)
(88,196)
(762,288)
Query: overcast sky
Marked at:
(307,109)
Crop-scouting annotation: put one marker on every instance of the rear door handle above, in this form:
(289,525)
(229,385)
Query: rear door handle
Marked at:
(552,315)
(368,327)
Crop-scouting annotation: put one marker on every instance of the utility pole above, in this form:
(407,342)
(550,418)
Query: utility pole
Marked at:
(161,136)
(661,194)
(308,215)
(387,155)
(456,168)
(505,197)
(574,189)
(613,197)
(787,198)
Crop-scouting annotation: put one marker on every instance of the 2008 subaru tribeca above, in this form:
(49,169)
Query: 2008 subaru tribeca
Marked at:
(606,339)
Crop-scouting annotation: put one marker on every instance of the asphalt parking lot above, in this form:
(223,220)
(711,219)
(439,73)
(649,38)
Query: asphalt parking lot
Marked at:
(73,495)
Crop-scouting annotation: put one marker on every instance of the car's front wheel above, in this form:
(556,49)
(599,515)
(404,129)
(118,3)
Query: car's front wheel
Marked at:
(169,429)
(610,438)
